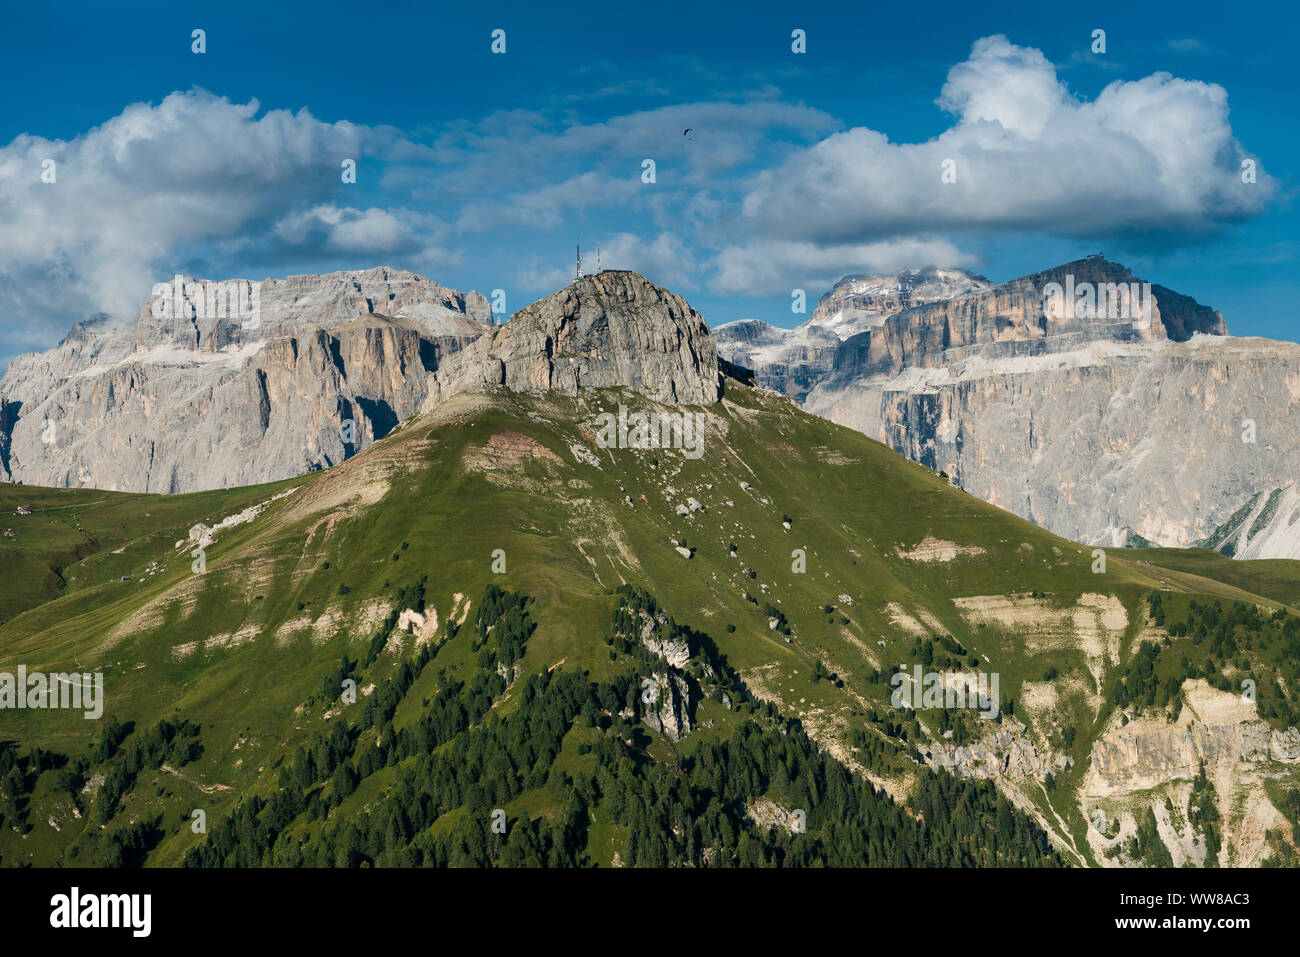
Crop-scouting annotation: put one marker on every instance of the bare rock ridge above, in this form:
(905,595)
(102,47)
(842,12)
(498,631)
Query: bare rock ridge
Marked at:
(190,397)
(857,303)
(613,328)
(1105,430)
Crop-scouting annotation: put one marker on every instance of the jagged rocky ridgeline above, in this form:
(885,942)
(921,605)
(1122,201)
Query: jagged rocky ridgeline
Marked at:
(332,363)
(1106,429)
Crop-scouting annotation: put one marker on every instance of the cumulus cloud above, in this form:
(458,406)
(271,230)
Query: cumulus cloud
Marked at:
(343,229)
(128,195)
(1148,155)
(1006,84)
(764,196)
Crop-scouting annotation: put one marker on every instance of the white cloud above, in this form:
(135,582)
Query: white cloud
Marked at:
(776,267)
(665,260)
(1006,84)
(129,193)
(1154,154)
(342,229)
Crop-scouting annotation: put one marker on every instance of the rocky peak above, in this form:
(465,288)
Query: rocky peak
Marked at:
(613,328)
(1180,317)
(1065,417)
(793,361)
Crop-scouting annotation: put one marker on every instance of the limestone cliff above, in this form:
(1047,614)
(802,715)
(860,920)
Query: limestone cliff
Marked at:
(1150,764)
(611,329)
(794,360)
(185,399)
(1105,429)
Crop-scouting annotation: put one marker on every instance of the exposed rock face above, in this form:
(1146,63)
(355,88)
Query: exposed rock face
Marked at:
(787,360)
(674,650)
(794,360)
(1268,526)
(614,328)
(1003,321)
(1107,445)
(184,400)
(670,707)
(1137,765)
(858,303)
(668,696)
(1005,750)
(1105,430)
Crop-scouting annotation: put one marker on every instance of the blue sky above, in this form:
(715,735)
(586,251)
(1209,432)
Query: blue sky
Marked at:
(480,170)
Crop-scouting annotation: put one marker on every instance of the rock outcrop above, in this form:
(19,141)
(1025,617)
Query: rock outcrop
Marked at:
(858,303)
(1006,750)
(610,329)
(1010,321)
(668,696)
(1137,766)
(194,397)
(669,706)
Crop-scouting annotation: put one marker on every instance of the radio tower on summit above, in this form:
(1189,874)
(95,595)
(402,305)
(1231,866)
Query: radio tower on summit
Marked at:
(577,266)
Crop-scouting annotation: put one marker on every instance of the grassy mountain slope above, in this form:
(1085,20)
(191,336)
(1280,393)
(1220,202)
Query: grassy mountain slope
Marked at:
(897,568)
(1275,578)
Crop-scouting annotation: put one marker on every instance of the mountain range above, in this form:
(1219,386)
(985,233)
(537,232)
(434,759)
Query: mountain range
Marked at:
(1162,431)
(1167,432)
(493,636)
